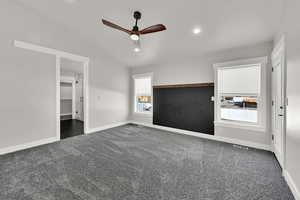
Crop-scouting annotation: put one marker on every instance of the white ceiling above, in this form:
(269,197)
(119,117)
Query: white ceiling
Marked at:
(225,24)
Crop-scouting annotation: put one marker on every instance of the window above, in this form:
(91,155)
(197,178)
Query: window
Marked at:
(239,108)
(143,93)
(240,94)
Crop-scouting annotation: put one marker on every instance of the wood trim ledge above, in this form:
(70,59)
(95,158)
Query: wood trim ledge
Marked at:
(184,85)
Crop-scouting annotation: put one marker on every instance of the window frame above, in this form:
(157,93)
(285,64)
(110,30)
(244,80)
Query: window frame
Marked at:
(262,97)
(137,76)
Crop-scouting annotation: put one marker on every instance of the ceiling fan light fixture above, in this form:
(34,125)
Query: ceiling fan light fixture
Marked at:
(136,49)
(197,30)
(134,37)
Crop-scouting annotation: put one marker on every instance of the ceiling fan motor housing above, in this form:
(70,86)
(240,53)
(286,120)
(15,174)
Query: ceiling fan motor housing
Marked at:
(135,29)
(137,15)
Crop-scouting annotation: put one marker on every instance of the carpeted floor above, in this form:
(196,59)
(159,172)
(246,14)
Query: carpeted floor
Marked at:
(138,163)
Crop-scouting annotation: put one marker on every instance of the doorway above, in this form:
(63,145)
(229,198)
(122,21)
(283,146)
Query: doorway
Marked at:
(279,102)
(71,98)
(59,56)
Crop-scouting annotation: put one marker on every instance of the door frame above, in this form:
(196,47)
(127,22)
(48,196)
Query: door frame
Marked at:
(279,55)
(58,56)
(85,62)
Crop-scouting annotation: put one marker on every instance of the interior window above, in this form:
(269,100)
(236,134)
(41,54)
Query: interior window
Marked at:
(143,94)
(239,93)
(239,108)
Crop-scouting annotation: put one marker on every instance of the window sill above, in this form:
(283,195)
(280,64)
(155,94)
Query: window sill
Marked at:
(240,126)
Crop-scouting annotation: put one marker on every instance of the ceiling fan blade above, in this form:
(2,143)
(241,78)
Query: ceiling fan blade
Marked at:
(112,25)
(153,29)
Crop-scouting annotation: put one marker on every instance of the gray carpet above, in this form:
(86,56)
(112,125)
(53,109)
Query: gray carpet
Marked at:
(138,163)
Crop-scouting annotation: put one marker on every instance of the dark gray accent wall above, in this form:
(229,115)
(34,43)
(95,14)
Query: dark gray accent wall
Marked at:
(188,108)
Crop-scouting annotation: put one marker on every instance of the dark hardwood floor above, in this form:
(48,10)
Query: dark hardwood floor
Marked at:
(70,128)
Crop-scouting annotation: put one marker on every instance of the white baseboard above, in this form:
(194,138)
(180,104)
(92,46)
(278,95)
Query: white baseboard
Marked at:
(15,148)
(292,185)
(27,145)
(101,128)
(206,136)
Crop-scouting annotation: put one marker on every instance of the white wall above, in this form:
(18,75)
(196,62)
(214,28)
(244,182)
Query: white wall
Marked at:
(27,85)
(27,79)
(292,30)
(200,70)
(108,103)
(66,95)
(66,91)
(66,107)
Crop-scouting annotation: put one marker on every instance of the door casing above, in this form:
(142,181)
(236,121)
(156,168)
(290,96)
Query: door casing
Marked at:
(279,58)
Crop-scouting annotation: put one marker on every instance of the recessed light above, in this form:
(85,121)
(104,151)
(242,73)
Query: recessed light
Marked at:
(196,31)
(136,49)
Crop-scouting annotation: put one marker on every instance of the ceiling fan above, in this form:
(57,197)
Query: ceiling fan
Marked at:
(135,32)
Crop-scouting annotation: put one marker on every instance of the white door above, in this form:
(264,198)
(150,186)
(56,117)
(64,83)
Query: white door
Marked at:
(278,108)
